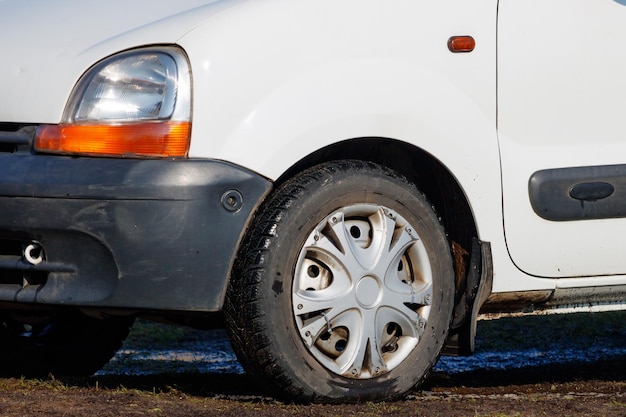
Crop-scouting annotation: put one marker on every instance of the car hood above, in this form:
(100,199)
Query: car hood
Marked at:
(45,46)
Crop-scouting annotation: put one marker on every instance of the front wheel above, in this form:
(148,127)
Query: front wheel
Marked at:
(344,287)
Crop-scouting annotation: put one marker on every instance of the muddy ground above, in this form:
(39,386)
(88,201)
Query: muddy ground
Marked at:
(575,386)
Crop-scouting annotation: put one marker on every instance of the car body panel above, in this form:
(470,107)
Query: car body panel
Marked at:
(561,101)
(400,82)
(65,38)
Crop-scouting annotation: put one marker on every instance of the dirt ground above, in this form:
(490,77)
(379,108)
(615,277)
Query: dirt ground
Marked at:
(571,388)
(596,389)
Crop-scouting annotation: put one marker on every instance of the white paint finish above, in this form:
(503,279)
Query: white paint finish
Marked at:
(561,103)
(279,79)
(53,43)
(269,91)
(262,75)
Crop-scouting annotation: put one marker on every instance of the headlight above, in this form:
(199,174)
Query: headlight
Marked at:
(136,103)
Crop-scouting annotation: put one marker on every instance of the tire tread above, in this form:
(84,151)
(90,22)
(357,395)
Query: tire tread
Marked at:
(246,320)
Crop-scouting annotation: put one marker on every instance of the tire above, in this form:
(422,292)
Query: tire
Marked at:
(68,344)
(324,304)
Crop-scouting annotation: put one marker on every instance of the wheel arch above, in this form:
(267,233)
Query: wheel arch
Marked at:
(436,181)
(417,165)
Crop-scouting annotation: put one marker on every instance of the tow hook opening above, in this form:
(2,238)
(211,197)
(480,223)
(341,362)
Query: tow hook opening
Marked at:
(34,253)
(24,262)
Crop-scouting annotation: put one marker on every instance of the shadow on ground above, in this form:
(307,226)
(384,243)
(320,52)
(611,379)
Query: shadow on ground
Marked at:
(242,387)
(530,351)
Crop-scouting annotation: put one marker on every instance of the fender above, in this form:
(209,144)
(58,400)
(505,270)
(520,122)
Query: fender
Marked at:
(303,83)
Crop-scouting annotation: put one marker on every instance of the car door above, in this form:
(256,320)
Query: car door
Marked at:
(562,134)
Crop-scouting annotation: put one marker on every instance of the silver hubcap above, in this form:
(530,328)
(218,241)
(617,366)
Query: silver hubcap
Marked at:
(362,291)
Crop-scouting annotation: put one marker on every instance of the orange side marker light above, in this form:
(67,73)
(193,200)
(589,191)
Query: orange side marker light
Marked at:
(461,44)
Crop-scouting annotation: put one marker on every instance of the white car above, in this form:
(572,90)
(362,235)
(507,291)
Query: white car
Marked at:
(345,185)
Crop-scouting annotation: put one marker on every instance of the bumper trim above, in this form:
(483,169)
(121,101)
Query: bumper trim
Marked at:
(123,233)
(16,263)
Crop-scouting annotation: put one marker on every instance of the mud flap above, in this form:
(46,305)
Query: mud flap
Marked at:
(460,341)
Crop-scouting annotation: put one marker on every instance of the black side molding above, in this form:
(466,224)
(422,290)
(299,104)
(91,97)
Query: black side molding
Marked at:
(579,193)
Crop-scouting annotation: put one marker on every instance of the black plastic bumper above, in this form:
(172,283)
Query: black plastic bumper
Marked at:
(145,234)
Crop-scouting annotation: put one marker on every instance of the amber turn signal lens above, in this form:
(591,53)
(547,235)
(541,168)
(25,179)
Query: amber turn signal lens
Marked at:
(145,139)
(461,44)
